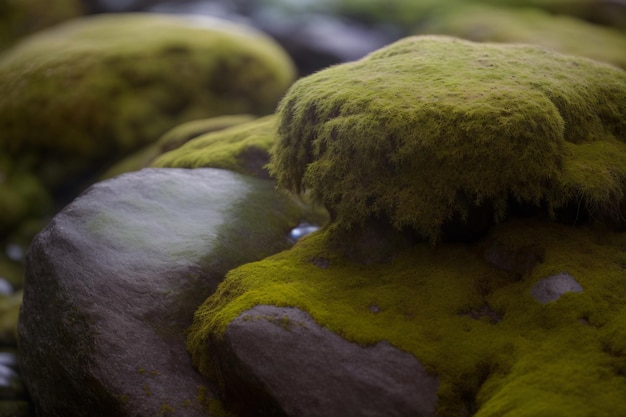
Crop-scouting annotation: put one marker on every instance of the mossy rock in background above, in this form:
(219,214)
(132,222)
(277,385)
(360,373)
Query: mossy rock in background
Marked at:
(560,33)
(430,129)
(604,12)
(85,93)
(410,15)
(243,148)
(468,316)
(173,139)
(21,18)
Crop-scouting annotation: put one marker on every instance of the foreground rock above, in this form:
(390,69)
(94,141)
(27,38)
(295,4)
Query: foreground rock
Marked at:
(113,281)
(278,361)
(489,346)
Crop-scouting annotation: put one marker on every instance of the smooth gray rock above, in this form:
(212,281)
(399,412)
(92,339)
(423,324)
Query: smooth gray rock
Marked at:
(280,362)
(113,281)
(553,287)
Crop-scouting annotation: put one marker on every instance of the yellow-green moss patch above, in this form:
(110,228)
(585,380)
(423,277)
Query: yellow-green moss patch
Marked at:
(429,128)
(560,33)
(439,304)
(173,139)
(243,148)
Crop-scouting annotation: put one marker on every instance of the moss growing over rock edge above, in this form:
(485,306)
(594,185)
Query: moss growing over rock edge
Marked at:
(475,325)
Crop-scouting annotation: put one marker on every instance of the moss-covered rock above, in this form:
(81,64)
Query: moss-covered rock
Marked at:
(20,18)
(430,129)
(243,148)
(409,15)
(84,93)
(561,33)
(173,139)
(605,12)
(477,326)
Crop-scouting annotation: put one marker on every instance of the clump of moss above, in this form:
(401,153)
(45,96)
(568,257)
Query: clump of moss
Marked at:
(89,91)
(561,33)
(430,128)
(243,148)
(476,326)
(173,139)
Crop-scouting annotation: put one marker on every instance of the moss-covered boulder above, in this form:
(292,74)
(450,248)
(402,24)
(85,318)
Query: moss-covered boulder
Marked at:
(243,148)
(173,139)
(561,33)
(433,131)
(20,18)
(81,95)
(468,312)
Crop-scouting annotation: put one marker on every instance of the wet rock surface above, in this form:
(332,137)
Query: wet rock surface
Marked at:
(287,364)
(113,281)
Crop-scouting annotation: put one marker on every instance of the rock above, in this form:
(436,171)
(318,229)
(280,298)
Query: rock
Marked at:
(475,328)
(553,287)
(112,282)
(278,361)
(520,260)
(83,94)
(431,130)
(565,34)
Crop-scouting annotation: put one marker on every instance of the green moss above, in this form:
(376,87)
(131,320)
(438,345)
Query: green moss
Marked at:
(91,90)
(565,357)
(20,18)
(409,15)
(560,33)
(427,129)
(173,139)
(243,148)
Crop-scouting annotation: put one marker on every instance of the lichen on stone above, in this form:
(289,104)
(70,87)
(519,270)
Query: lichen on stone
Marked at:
(428,129)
